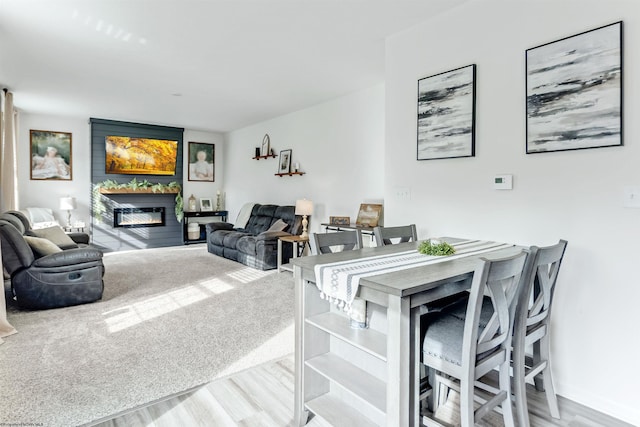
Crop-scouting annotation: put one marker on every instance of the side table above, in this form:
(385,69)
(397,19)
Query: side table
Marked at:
(295,240)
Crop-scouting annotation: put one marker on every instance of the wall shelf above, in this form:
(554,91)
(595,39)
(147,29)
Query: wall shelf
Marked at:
(289,173)
(264,157)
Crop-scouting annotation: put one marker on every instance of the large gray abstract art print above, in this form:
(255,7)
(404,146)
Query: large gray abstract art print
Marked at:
(574,92)
(446,114)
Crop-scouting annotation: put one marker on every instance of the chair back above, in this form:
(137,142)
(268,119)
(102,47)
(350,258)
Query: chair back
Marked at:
(501,280)
(16,252)
(534,305)
(390,235)
(324,243)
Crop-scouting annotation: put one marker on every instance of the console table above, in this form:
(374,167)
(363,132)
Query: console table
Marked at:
(369,377)
(348,227)
(188,215)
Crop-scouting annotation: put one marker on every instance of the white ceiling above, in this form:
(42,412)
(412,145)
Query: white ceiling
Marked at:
(213,65)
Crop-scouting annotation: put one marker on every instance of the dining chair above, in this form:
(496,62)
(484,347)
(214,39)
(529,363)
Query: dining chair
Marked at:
(324,243)
(462,351)
(531,329)
(390,235)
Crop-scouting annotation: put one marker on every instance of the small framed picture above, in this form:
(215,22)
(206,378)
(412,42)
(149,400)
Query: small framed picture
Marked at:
(201,161)
(50,155)
(265,148)
(206,205)
(339,220)
(284,164)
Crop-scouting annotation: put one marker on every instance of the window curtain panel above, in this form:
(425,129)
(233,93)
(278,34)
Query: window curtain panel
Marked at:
(8,164)
(8,196)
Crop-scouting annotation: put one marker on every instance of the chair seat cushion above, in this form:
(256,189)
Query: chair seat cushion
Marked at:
(459,310)
(443,339)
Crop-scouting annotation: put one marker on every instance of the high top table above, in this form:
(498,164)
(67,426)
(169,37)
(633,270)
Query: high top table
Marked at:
(368,377)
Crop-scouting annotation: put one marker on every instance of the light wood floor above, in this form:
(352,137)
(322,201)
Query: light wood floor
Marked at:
(263,396)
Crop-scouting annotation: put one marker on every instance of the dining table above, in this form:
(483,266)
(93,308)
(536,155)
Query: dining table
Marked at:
(370,376)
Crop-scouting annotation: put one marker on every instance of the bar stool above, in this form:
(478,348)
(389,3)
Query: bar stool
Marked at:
(400,234)
(461,351)
(324,243)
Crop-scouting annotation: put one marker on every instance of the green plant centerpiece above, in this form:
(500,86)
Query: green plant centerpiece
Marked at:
(135,185)
(436,248)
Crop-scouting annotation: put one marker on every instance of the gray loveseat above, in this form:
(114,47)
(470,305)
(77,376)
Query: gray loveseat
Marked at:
(255,245)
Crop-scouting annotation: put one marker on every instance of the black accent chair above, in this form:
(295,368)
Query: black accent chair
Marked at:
(62,278)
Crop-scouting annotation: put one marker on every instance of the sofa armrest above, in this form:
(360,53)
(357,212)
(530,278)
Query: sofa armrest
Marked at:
(271,235)
(213,226)
(69,257)
(79,237)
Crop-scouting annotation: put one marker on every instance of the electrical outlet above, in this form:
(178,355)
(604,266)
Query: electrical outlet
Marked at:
(631,197)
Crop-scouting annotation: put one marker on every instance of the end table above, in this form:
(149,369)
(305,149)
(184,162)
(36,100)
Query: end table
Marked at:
(295,240)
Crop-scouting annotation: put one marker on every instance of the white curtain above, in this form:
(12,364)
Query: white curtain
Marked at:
(8,184)
(8,163)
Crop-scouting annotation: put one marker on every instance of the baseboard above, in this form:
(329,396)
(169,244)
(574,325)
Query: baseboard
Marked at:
(624,413)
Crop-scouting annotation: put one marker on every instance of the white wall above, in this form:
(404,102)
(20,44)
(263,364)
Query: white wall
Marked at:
(46,193)
(575,195)
(339,144)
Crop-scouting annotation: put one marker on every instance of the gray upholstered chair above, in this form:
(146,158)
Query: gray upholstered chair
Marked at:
(47,276)
(532,329)
(390,235)
(323,243)
(462,351)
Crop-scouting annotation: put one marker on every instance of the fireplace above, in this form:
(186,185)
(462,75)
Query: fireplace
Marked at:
(138,217)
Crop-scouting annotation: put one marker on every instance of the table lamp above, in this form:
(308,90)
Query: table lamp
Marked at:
(68,204)
(304,207)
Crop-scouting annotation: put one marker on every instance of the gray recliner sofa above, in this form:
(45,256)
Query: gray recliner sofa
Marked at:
(58,278)
(255,245)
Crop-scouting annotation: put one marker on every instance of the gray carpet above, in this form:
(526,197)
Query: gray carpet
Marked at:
(170,319)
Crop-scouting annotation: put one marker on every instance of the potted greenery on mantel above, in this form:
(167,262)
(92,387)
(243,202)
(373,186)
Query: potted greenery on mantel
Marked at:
(134,186)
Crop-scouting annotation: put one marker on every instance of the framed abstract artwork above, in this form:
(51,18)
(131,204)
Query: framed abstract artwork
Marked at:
(574,92)
(446,114)
(201,161)
(50,155)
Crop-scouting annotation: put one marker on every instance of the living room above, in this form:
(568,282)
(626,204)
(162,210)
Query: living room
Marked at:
(361,147)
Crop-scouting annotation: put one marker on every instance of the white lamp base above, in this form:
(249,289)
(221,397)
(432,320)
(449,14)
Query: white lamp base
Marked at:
(305,223)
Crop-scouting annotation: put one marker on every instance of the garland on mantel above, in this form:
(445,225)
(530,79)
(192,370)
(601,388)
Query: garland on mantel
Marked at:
(134,184)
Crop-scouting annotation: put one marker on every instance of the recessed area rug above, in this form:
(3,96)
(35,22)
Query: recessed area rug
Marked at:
(170,319)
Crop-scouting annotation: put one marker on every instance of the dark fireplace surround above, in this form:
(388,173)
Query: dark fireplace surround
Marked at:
(134,220)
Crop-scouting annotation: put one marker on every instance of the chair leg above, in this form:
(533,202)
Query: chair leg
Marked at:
(467,412)
(520,386)
(550,392)
(505,384)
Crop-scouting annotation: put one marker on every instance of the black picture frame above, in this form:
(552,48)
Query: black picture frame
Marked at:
(284,161)
(574,90)
(202,159)
(50,155)
(447,114)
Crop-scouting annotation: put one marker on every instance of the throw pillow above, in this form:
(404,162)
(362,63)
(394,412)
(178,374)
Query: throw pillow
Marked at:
(41,247)
(279,225)
(57,235)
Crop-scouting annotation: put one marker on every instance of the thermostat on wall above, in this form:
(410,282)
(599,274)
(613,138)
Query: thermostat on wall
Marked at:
(503,182)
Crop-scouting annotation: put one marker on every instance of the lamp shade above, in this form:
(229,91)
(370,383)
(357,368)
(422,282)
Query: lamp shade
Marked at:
(304,207)
(67,203)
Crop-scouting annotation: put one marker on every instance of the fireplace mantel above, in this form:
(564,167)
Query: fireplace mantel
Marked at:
(138,191)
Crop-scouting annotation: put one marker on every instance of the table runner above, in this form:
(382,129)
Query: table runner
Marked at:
(338,281)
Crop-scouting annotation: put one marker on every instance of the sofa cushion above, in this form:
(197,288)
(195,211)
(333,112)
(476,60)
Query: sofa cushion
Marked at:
(261,219)
(231,238)
(247,245)
(42,247)
(56,235)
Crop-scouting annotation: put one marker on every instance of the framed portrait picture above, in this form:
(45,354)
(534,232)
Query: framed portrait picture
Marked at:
(284,164)
(369,215)
(206,205)
(446,114)
(202,161)
(574,92)
(50,155)
(339,220)
(265,148)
